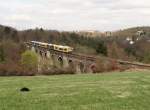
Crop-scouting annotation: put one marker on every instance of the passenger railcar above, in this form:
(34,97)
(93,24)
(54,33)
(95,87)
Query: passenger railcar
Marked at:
(60,48)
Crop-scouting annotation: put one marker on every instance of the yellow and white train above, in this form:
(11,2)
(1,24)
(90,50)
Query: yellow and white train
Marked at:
(66,49)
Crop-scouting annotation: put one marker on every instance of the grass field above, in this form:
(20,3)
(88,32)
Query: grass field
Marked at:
(117,91)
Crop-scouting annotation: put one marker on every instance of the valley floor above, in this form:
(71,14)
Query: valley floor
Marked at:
(117,91)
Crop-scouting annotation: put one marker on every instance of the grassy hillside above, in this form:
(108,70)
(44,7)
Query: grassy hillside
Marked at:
(118,91)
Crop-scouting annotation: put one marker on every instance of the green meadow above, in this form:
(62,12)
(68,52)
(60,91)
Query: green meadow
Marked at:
(108,91)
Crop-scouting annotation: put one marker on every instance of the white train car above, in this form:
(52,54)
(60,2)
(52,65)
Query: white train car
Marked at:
(66,49)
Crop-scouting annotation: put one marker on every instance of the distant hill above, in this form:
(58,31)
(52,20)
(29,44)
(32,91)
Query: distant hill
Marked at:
(129,32)
(2,27)
(121,33)
(132,31)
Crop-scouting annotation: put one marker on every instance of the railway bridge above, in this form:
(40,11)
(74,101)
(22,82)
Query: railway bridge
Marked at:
(49,57)
(77,62)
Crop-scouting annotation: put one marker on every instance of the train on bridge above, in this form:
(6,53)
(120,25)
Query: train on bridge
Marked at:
(66,49)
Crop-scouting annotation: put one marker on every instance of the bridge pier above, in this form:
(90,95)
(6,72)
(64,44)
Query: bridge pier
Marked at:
(80,67)
(78,70)
(57,61)
(53,60)
(49,56)
(33,49)
(39,61)
(65,62)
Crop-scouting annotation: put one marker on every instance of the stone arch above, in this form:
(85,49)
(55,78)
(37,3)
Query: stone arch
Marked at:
(60,60)
(92,68)
(71,63)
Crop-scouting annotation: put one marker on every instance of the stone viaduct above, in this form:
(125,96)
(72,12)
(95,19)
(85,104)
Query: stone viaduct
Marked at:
(76,62)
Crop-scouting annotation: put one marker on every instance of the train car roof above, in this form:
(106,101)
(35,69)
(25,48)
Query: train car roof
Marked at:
(42,43)
(60,46)
(35,41)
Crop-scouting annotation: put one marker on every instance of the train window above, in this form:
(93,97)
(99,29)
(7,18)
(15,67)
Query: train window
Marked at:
(65,49)
(60,48)
(52,47)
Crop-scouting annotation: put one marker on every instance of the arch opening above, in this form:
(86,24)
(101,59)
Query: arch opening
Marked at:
(93,68)
(60,59)
(40,53)
(71,64)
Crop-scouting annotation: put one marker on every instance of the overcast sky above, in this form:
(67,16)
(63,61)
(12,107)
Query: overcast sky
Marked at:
(70,15)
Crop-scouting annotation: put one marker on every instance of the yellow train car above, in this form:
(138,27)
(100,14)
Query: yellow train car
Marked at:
(65,49)
(40,44)
(44,45)
(60,48)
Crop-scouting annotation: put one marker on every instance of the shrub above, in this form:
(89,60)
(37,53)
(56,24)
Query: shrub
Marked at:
(58,71)
(104,65)
(101,48)
(146,57)
(8,69)
(29,60)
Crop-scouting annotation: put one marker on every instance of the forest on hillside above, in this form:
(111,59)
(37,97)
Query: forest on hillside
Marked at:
(117,46)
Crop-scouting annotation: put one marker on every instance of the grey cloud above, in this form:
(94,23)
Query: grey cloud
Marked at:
(75,14)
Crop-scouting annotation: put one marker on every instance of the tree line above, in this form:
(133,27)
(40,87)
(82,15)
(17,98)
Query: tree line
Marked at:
(12,46)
